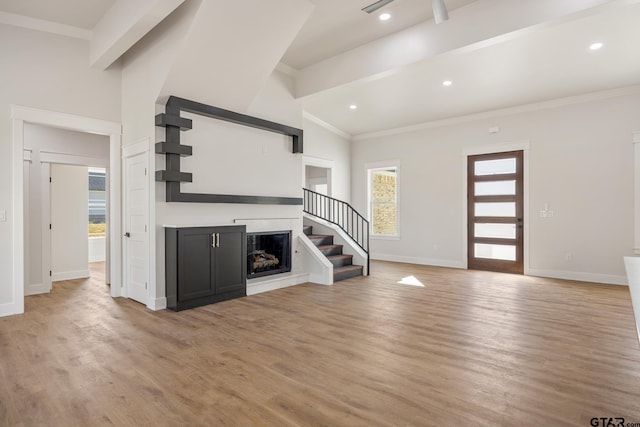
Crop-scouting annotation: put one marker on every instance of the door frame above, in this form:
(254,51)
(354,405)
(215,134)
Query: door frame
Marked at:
(493,149)
(20,115)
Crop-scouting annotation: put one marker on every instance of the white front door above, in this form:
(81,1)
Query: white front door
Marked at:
(136,236)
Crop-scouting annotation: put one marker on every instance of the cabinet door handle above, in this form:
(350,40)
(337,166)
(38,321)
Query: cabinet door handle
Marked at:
(213,240)
(217,240)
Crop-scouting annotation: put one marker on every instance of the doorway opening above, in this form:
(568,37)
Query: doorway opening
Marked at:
(97,220)
(495,209)
(22,116)
(318,179)
(57,183)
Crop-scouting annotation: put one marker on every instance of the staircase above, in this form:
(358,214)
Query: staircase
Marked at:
(343,267)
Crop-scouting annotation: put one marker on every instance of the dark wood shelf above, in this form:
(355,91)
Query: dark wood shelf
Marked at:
(171,176)
(172,148)
(165,120)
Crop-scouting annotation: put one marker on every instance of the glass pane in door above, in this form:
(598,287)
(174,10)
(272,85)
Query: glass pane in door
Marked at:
(495,167)
(505,209)
(500,231)
(495,188)
(502,252)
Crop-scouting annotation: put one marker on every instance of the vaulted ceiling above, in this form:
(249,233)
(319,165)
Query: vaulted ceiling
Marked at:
(496,53)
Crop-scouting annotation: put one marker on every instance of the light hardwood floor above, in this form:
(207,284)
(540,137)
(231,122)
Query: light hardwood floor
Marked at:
(466,349)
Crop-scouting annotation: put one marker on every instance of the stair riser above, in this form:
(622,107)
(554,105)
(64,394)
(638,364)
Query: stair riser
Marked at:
(332,251)
(325,240)
(341,262)
(347,275)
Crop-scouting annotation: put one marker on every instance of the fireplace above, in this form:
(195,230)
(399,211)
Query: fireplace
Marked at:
(268,253)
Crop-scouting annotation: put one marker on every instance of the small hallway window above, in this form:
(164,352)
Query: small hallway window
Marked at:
(383,200)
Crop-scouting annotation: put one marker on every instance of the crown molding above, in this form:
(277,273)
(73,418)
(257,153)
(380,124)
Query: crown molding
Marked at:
(327,126)
(45,26)
(545,105)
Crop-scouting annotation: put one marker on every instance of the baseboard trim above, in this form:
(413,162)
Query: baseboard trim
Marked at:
(36,289)
(256,286)
(417,260)
(70,275)
(608,279)
(156,304)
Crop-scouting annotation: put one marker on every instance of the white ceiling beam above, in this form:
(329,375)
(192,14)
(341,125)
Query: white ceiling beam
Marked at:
(124,25)
(232,48)
(471,27)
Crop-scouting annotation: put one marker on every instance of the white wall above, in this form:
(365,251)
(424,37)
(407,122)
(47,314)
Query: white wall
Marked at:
(69,216)
(97,249)
(41,140)
(50,72)
(323,144)
(581,164)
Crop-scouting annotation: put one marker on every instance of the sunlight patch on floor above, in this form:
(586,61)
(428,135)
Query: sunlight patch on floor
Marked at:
(411,281)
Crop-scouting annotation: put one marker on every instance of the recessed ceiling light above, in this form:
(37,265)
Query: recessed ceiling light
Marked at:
(596,46)
(447,83)
(385,16)
(353,107)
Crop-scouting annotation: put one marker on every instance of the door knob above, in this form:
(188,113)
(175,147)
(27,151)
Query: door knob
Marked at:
(127,234)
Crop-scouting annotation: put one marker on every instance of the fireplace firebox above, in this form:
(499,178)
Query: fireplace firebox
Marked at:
(268,253)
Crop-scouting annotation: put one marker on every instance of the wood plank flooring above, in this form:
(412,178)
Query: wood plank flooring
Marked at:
(467,348)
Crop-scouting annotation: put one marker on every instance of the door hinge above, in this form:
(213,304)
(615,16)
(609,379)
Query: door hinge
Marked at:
(145,285)
(145,171)
(145,228)
(49,179)
(49,226)
(50,273)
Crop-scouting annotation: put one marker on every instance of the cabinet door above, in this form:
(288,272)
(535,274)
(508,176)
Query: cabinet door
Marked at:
(194,264)
(230,263)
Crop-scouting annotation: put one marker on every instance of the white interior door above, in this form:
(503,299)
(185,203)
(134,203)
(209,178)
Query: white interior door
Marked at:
(136,236)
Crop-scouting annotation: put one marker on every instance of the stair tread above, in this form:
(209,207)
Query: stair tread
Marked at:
(339,256)
(347,268)
(329,246)
(318,236)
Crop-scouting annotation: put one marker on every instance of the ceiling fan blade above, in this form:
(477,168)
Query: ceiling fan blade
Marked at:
(440,13)
(375,6)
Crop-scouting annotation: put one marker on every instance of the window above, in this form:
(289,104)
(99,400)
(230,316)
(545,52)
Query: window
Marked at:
(97,202)
(383,201)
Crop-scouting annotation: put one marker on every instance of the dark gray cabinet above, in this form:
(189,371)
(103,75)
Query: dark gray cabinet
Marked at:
(205,265)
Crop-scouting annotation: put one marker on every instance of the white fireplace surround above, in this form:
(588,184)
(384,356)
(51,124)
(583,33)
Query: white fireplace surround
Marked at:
(298,274)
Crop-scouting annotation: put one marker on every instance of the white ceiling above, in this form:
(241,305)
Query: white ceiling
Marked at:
(336,26)
(550,62)
(498,53)
(77,13)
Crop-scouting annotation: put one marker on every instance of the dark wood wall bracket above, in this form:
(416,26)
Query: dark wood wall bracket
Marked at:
(173,150)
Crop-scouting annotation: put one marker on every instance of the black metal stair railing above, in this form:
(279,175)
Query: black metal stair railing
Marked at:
(341,214)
